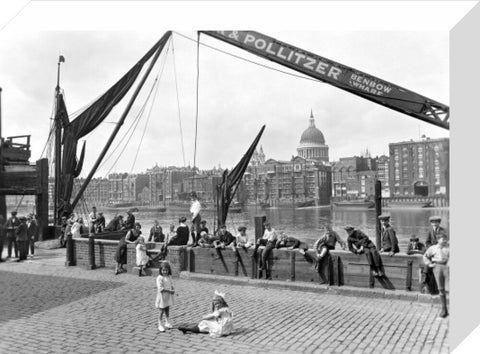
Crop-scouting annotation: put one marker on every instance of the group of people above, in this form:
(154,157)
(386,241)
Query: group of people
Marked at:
(20,235)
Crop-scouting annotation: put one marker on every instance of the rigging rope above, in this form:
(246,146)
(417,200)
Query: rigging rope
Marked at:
(178,103)
(196,107)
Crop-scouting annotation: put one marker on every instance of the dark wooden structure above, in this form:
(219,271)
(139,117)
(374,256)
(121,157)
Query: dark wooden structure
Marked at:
(19,177)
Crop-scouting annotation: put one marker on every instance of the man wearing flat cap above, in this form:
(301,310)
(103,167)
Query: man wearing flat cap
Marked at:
(434,231)
(12,223)
(415,246)
(427,277)
(21,235)
(359,243)
(389,237)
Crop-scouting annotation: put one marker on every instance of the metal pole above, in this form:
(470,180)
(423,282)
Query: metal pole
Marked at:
(378,212)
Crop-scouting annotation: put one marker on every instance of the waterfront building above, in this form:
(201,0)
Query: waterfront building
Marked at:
(305,177)
(420,168)
(383,174)
(354,177)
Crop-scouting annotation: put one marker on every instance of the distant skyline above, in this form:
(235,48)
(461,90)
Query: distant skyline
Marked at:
(235,97)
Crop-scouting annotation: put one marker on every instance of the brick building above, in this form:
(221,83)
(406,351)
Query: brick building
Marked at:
(419,168)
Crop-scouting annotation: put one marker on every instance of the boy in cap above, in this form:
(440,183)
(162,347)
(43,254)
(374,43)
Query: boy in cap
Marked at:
(224,238)
(435,231)
(31,234)
(100,225)
(428,281)
(436,257)
(11,225)
(269,239)
(359,243)
(415,246)
(389,237)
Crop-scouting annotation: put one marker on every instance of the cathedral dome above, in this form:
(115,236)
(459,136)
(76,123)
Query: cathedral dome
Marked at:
(312,135)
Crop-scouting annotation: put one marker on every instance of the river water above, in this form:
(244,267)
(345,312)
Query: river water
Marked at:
(305,224)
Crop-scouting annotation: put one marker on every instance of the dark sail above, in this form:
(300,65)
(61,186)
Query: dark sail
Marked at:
(230,181)
(89,119)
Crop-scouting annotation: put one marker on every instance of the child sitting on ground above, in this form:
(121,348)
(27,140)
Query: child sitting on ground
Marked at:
(165,292)
(218,323)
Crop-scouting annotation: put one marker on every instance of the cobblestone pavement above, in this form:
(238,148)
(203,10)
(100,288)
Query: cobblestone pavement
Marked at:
(49,308)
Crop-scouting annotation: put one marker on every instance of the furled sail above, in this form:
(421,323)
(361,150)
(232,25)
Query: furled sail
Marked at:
(230,181)
(88,120)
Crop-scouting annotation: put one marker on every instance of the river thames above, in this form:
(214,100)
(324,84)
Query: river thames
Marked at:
(305,224)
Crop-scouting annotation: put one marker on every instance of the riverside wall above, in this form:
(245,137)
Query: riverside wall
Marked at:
(402,272)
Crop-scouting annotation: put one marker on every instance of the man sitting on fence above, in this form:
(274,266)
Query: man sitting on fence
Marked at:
(323,246)
(359,243)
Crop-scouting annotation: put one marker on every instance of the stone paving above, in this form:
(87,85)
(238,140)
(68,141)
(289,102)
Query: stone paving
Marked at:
(49,308)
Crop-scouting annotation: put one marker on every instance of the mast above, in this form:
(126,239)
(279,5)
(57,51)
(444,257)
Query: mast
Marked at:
(58,144)
(121,120)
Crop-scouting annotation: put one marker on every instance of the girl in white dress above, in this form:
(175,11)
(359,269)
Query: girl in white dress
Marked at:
(165,291)
(218,323)
(141,253)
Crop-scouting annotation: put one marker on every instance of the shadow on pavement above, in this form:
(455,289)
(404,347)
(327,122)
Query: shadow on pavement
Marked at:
(27,294)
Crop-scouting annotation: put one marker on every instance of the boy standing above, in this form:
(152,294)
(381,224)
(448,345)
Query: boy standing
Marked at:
(436,258)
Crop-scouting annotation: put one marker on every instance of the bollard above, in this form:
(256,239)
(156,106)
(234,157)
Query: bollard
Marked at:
(69,251)
(91,252)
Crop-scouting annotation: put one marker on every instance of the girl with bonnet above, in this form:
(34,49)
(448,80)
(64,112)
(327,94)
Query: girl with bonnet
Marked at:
(218,323)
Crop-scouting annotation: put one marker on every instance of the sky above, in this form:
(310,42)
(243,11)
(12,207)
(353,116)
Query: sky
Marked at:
(235,96)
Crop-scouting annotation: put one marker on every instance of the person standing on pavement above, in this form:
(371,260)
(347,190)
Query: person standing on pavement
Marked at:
(195,209)
(165,292)
(141,256)
(359,243)
(427,278)
(31,234)
(121,252)
(389,236)
(436,257)
(12,224)
(323,246)
(3,235)
(22,239)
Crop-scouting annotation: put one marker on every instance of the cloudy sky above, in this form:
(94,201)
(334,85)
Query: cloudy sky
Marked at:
(235,96)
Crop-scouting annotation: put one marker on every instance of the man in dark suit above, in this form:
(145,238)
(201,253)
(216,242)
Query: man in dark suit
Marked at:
(12,224)
(31,234)
(22,239)
(389,237)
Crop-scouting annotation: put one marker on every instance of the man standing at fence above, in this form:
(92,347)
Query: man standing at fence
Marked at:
(436,257)
(428,283)
(389,237)
(195,209)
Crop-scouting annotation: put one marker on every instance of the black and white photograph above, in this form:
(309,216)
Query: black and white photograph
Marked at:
(237,177)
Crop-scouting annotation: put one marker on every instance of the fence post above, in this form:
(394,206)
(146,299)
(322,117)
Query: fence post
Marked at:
(259,228)
(91,251)
(69,251)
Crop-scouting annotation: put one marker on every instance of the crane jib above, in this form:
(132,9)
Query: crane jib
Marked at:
(339,75)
